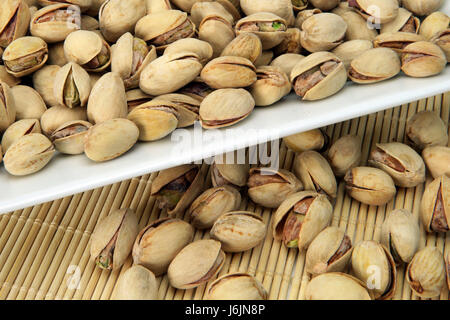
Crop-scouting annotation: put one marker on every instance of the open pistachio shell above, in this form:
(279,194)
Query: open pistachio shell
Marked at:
(376,11)
(396,40)
(186,107)
(196,89)
(229,171)
(314,139)
(349,50)
(7,107)
(423,59)
(357,27)
(136,97)
(19,129)
(322,32)
(202,9)
(72,86)
(236,286)
(286,62)
(426,129)
(229,72)
(404,22)
(281,8)
(437,160)
(442,39)
(70,137)
(43,81)
(345,154)
(433,24)
(201,48)
(14,21)
(28,103)
(56,116)
(213,25)
(435,205)
(422,7)
(25,55)
(245,45)
(137,283)
(272,85)
(305,14)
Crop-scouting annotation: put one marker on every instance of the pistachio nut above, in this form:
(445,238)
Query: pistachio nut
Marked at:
(201,48)
(202,9)
(300,218)
(400,161)
(400,234)
(112,239)
(229,72)
(169,73)
(272,85)
(290,43)
(137,283)
(422,7)
(435,205)
(7,107)
(299,5)
(7,78)
(72,86)
(55,22)
(196,89)
(437,160)
(330,251)
(130,56)
(322,32)
(28,154)
(176,188)
(110,139)
(239,231)
(43,81)
(357,27)
(305,14)
(107,99)
(404,22)
(25,55)
(318,76)
(286,62)
(136,97)
(186,106)
(226,171)
(196,264)
(316,173)
(56,54)
(433,24)
(213,25)
(236,286)
(426,129)
(264,59)
(159,242)
(281,8)
(269,27)
(117,17)
(349,50)
(83,4)
(426,273)
(345,154)
(14,21)
(245,45)
(376,11)
(374,65)
(157,5)
(370,186)
(225,107)
(396,40)
(336,286)
(19,129)
(269,187)
(89,23)
(314,139)
(423,59)
(212,204)
(442,39)
(56,116)
(70,137)
(88,49)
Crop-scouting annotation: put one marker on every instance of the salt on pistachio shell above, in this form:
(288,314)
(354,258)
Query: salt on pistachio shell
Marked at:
(137,283)
(316,173)
(7,78)
(357,27)
(336,286)
(230,169)
(400,234)
(368,257)
(17,130)
(159,242)
(157,5)
(396,40)
(314,139)
(113,237)
(186,107)
(201,48)
(213,25)
(264,59)
(225,107)
(236,286)
(426,129)
(442,39)
(136,97)
(423,59)
(213,203)
(58,115)
(345,154)
(272,85)
(72,86)
(83,4)
(286,62)
(201,10)
(290,43)
(89,23)
(305,14)
(330,251)
(229,72)
(426,273)
(269,187)
(107,99)
(319,75)
(400,161)
(437,160)
(370,186)
(352,49)
(376,11)
(14,21)
(28,154)
(245,45)
(7,107)
(70,137)
(404,22)
(55,22)
(25,55)
(374,65)
(43,81)
(433,24)
(422,7)
(56,54)
(195,264)
(110,139)
(435,205)
(281,8)
(239,231)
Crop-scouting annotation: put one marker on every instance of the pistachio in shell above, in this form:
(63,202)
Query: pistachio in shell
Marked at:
(7,78)
(437,160)
(299,5)
(435,205)
(7,107)
(17,130)
(201,48)
(72,86)
(136,97)
(305,14)
(89,23)
(137,283)
(264,59)
(442,39)
(376,11)
(422,7)
(404,22)
(290,44)
(423,59)
(314,139)
(286,62)
(70,137)
(281,8)
(213,25)
(28,103)
(271,85)
(357,27)
(345,154)
(246,45)
(157,5)
(196,89)
(433,24)
(159,242)
(229,72)
(352,49)
(56,116)
(14,21)
(236,286)
(83,4)
(426,129)
(185,5)
(43,81)
(396,41)
(229,171)
(186,107)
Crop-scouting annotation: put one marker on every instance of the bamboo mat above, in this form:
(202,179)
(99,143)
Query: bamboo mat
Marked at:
(44,250)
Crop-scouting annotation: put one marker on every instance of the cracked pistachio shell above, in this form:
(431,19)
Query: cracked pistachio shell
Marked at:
(157,5)
(137,283)
(70,137)
(281,8)
(370,257)
(400,234)
(201,10)
(272,85)
(290,43)
(374,65)
(19,129)
(400,161)
(196,264)
(186,106)
(14,20)
(159,242)
(110,139)
(370,186)
(169,73)
(43,81)
(330,251)
(287,62)
(7,78)
(325,5)
(336,286)
(25,55)
(232,171)
(422,7)
(433,24)
(314,139)
(55,22)
(435,205)
(72,86)
(305,14)
(269,187)
(423,59)
(245,45)
(396,40)
(56,54)
(236,286)
(201,48)
(404,21)
(349,50)
(107,99)
(357,28)
(225,107)
(239,231)
(316,173)
(7,107)
(213,203)
(28,154)
(229,72)
(377,11)
(113,237)
(210,27)
(56,116)
(426,273)
(28,102)
(345,154)
(442,39)
(89,23)
(317,217)
(117,17)
(437,160)
(322,32)
(136,97)
(426,129)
